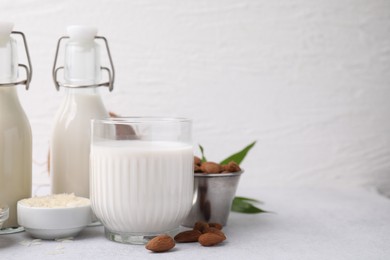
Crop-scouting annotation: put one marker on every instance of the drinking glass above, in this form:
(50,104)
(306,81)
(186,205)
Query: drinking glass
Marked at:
(141,176)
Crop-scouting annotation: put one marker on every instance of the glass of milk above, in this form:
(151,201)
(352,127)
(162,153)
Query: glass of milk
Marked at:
(141,176)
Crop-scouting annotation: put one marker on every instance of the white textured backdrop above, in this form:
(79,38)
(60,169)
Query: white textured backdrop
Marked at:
(309,80)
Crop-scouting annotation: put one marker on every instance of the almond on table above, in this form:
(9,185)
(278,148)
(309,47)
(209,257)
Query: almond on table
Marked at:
(207,234)
(216,225)
(161,243)
(210,239)
(201,226)
(188,236)
(215,231)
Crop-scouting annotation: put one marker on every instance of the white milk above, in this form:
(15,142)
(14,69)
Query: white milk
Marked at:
(70,142)
(15,153)
(141,186)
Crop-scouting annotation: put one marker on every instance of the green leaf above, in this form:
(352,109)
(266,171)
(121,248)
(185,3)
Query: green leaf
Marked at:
(202,151)
(248,199)
(243,205)
(238,157)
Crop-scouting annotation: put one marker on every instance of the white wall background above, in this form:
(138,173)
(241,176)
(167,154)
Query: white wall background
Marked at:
(310,80)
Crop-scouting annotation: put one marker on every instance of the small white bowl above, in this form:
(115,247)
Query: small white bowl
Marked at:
(54,223)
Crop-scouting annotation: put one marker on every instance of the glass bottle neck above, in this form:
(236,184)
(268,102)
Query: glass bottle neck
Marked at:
(82,63)
(8,61)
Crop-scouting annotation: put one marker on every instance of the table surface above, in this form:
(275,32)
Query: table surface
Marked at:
(307,223)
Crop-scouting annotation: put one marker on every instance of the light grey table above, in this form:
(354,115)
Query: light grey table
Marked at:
(308,223)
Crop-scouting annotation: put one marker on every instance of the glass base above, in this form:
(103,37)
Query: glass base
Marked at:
(12,230)
(95,224)
(136,238)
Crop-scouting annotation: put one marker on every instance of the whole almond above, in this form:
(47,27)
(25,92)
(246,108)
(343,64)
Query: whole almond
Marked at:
(210,239)
(197,168)
(232,167)
(216,225)
(201,226)
(211,167)
(161,243)
(188,236)
(197,160)
(215,231)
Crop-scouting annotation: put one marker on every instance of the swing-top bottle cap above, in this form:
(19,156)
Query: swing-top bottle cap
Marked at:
(82,57)
(5,31)
(9,57)
(82,65)
(81,33)
(8,54)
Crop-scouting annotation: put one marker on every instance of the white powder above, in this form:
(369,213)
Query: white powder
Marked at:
(56,201)
(29,243)
(64,240)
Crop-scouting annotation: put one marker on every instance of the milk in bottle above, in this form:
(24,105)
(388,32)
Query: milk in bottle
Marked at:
(70,141)
(15,131)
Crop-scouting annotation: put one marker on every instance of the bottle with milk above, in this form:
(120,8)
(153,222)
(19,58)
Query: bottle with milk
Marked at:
(70,141)
(15,131)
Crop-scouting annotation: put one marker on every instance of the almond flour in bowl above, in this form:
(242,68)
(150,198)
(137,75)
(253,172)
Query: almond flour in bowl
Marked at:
(56,201)
(54,216)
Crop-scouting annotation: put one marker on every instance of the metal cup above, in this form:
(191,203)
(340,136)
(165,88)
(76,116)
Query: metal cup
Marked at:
(213,196)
